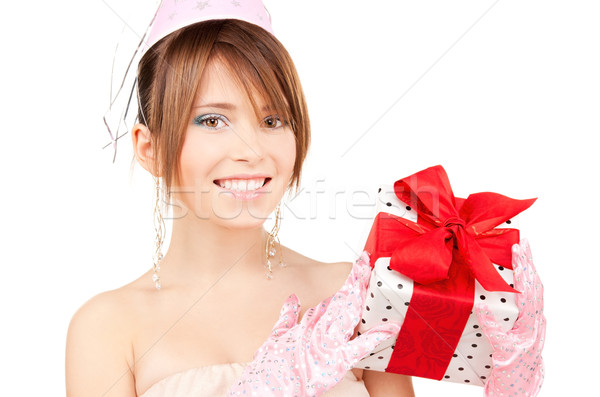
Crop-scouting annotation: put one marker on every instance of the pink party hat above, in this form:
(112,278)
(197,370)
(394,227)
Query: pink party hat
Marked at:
(176,14)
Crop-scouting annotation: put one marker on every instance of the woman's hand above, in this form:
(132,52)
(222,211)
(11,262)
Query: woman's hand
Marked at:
(518,368)
(310,357)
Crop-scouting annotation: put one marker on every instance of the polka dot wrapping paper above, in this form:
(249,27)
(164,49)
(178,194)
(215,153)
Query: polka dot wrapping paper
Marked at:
(389,298)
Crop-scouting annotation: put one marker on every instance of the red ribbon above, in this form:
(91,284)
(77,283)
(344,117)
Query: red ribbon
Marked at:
(452,243)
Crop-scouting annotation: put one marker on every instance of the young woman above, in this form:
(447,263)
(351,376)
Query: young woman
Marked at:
(224,128)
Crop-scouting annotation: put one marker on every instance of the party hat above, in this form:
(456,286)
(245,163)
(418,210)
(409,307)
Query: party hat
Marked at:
(173,15)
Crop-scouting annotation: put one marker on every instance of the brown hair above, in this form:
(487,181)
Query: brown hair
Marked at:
(169,79)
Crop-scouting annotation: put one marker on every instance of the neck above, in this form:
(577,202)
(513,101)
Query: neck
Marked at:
(200,249)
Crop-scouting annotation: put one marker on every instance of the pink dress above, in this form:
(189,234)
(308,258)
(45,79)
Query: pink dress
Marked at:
(215,380)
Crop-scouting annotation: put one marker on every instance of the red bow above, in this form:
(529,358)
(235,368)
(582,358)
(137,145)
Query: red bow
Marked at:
(450,229)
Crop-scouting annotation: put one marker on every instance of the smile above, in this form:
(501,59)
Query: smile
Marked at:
(242,185)
(243,188)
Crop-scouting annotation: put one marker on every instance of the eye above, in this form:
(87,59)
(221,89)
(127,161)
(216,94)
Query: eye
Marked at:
(211,121)
(272,122)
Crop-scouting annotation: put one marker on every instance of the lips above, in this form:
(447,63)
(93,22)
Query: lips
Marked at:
(241,185)
(258,186)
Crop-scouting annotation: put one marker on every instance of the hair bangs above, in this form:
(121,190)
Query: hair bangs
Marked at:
(258,83)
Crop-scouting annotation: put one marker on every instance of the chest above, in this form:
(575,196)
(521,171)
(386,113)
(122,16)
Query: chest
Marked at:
(191,333)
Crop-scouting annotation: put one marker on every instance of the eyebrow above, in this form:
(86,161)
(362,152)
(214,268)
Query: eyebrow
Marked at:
(221,105)
(225,105)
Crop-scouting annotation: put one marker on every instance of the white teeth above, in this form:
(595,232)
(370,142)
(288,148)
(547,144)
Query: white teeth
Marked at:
(242,185)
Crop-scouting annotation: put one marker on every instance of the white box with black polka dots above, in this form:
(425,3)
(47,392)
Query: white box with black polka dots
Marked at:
(389,296)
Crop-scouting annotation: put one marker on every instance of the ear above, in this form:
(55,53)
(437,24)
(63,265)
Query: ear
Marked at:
(142,147)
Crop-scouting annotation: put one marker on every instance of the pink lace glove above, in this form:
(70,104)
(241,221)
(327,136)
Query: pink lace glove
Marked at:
(311,357)
(518,368)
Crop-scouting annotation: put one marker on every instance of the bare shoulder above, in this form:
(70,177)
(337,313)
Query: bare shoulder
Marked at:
(99,355)
(110,310)
(324,278)
(100,314)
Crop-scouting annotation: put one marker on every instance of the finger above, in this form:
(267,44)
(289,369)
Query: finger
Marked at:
(364,258)
(531,314)
(524,243)
(539,291)
(531,318)
(533,276)
(530,301)
(541,333)
(360,274)
(340,322)
(497,338)
(358,281)
(288,316)
(488,322)
(358,348)
(345,308)
(526,327)
(517,264)
(525,259)
(520,276)
(315,316)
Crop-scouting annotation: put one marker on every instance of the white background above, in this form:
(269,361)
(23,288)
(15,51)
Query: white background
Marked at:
(504,94)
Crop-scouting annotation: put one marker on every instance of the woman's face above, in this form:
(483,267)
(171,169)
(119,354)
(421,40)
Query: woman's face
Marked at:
(235,167)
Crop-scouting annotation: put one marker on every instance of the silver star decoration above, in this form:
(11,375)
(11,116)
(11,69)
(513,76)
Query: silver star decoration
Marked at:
(201,5)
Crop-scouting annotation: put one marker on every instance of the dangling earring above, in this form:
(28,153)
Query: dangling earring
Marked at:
(159,228)
(270,245)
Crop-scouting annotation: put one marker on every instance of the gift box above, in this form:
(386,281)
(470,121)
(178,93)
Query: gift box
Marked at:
(433,257)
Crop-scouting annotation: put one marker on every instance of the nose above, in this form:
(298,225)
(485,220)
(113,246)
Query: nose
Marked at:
(247,145)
